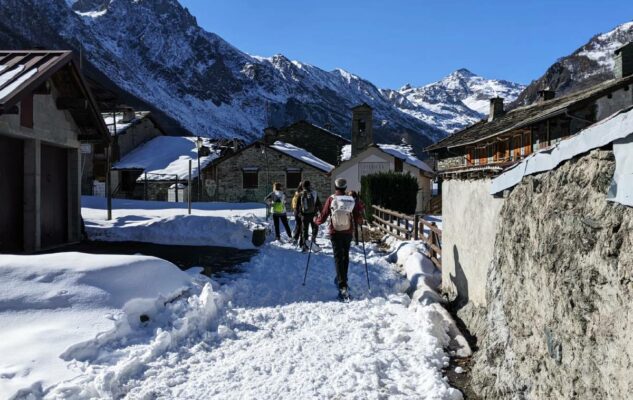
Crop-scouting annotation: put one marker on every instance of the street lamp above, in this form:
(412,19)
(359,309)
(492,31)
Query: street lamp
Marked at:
(199,143)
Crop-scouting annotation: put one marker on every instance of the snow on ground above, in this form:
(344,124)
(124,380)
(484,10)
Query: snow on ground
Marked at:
(49,303)
(262,335)
(210,224)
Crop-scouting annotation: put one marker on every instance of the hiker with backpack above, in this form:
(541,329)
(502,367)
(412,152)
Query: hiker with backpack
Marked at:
(344,212)
(277,201)
(309,204)
(296,209)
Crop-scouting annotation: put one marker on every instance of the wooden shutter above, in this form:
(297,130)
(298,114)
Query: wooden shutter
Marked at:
(527,143)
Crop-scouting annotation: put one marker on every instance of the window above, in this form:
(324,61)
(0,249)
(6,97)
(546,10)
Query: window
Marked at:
(398,165)
(293,178)
(250,178)
(517,147)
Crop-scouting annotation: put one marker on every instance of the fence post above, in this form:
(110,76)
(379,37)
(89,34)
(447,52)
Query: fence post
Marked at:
(189,188)
(176,188)
(416,223)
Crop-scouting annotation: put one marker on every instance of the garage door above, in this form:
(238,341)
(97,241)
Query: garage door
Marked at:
(54,196)
(12,190)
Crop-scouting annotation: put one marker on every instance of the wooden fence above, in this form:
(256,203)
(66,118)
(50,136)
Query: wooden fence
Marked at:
(410,227)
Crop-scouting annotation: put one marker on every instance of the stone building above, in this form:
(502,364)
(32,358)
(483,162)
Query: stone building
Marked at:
(319,141)
(46,111)
(468,159)
(128,129)
(148,171)
(248,175)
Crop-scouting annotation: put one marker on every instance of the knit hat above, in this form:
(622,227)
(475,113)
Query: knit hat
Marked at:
(340,184)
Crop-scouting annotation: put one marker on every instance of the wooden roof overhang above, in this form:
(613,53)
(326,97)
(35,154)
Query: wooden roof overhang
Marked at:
(38,67)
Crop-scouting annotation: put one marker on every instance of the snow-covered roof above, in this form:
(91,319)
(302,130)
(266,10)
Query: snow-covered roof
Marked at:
(164,157)
(302,155)
(121,126)
(405,153)
(617,129)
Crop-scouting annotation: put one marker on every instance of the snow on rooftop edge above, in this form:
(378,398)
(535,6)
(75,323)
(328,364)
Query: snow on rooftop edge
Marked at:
(303,155)
(616,128)
(405,153)
(164,157)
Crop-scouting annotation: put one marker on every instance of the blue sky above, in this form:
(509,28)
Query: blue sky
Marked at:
(393,42)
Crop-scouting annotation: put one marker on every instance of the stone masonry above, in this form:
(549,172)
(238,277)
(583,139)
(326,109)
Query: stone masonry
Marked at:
(223,180)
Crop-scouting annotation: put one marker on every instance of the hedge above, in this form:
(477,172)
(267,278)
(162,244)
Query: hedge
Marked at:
(392,190)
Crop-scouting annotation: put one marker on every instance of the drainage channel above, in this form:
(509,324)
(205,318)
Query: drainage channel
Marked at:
(214,260)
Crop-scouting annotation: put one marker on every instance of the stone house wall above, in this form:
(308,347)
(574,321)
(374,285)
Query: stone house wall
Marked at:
(134,136)
(558,290)
(223,181)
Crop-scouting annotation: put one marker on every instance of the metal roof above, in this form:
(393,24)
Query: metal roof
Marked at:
(527,115)
(22,72)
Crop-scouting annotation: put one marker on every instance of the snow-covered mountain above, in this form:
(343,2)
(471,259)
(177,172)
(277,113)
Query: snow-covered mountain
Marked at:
(153,55)
(590,64)
(454,102)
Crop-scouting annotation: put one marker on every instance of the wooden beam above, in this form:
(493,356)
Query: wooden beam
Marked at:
(72,103)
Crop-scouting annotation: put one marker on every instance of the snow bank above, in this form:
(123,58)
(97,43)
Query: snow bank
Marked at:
(405,153)
(51,303)
(211,224)
(425,279)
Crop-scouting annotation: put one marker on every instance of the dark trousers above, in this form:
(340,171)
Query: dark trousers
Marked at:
(341,243)
(284,220)
(298,227)
(308,221)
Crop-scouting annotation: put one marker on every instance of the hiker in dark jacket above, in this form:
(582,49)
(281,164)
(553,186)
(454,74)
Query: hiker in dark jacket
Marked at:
(296,209)
(344,212)
(277,202)
(309,204)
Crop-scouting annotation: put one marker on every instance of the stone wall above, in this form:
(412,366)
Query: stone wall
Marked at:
(559,321)
(223,182)
(469,226)
(324,145)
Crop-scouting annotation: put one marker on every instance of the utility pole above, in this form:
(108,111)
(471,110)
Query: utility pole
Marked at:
(189,188)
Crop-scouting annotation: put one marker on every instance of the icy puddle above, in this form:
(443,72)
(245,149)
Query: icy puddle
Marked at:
(261,335)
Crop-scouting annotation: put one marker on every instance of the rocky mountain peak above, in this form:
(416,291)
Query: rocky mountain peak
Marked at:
(588,65)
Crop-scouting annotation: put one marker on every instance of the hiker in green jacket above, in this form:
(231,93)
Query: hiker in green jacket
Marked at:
(277,202)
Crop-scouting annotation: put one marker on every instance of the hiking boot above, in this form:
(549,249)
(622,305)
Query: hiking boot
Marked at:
(343,293)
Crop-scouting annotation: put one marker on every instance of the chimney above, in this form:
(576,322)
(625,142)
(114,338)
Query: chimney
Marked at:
(624,61)
(270,134)
(236,145)
(496,108)
(545,94)
(362,128)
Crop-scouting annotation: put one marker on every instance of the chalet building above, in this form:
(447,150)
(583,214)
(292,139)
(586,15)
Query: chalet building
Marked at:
(46,112)
(150,170)
(319,141)
(363,157)
(467,160)
(248,174)
(128,130)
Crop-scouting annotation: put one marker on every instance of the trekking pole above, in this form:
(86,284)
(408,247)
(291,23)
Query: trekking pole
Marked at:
(305,275)
(365,255)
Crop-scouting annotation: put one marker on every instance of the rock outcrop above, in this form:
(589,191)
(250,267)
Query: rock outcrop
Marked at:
(559,320)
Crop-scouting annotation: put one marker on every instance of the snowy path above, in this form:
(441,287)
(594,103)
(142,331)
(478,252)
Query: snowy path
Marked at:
(275,339)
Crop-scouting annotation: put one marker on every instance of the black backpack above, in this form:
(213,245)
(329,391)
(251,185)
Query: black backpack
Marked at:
(308,202)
